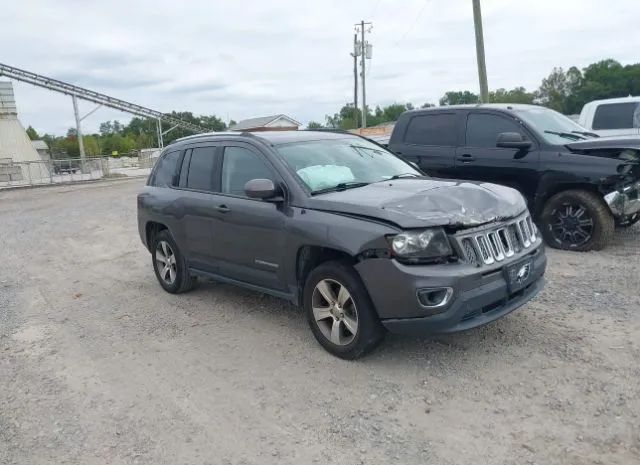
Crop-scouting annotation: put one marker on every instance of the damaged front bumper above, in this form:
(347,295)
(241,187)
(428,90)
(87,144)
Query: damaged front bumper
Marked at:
(477,295)
(625,203)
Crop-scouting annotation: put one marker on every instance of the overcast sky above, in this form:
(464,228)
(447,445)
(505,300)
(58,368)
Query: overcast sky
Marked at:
(240,59)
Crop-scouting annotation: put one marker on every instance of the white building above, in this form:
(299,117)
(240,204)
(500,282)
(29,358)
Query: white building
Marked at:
(15,145)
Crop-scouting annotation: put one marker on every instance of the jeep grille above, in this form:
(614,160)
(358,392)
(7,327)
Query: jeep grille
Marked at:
(493,245)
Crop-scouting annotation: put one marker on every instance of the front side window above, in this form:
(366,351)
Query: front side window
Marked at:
(432,129)
(616,116)
(239,166)
(201,169)
(166,170)
(342,163)
(483,129)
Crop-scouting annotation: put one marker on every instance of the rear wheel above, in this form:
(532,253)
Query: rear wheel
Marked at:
(169,264)
(340,312)
(576,220)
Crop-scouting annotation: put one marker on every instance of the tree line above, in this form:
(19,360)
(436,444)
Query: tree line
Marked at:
(564,91)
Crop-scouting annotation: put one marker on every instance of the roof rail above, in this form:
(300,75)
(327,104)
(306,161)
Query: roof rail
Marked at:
(214,133)
(337,130)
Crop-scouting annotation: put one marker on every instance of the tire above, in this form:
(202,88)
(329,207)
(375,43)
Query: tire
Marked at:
(629,223)
(368,330)
(182,281)
(569,212)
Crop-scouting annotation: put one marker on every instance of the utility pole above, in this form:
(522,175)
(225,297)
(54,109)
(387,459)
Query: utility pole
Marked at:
(482,67)
(78,127)
(355,55)
(365,53)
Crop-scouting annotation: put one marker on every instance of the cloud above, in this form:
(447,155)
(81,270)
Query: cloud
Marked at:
(244,59)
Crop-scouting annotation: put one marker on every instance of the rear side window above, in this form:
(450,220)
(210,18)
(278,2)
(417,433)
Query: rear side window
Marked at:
(616,116)
(434,129)
(239,166)
(483,129)
(166,170)
(201,169)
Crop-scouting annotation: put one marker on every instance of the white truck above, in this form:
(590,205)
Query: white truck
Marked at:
(612,117)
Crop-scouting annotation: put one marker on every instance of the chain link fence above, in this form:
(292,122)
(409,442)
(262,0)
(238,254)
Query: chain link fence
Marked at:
(59,171)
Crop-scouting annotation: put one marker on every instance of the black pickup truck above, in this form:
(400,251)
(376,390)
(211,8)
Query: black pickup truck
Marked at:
(578,186)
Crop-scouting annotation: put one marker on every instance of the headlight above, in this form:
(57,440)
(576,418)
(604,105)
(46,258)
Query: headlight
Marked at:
(428,243)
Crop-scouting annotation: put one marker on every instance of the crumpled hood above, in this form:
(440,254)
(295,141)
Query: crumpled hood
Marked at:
(600,143)
(425,202)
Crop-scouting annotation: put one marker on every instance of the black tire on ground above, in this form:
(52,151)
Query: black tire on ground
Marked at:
(183,281)
(601,230)
(370,331)
(630,223)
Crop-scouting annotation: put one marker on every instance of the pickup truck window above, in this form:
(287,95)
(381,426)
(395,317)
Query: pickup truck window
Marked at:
(483,129)
(166,170)
(435,129)
(201,168)
(616,116)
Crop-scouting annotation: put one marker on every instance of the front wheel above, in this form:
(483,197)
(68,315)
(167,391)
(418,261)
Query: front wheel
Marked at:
(576,220)
(340,312)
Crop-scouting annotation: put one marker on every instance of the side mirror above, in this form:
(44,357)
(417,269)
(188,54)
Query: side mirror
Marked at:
(263,189)
(512,140)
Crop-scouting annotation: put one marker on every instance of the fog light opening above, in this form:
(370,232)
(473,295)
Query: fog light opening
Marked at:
(436,297)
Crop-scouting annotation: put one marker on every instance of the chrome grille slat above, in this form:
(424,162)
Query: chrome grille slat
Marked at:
(498,243)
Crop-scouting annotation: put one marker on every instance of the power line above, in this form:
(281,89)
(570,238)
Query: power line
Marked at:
(424,6)
(375,8)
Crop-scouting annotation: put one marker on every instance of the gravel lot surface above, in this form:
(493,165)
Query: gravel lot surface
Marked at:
(99,365)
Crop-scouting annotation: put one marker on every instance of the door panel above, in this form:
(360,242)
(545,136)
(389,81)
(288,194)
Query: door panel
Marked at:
(249,235)
(430,141)
(481,160)
(197,186)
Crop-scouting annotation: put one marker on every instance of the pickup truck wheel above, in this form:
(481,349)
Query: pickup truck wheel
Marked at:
(169,264)
(576,220)
(340,312)
(630,222)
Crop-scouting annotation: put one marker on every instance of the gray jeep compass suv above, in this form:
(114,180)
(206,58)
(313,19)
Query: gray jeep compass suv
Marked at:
(336,224)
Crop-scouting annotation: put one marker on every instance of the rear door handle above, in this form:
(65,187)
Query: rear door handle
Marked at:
(466,158)
(223,209)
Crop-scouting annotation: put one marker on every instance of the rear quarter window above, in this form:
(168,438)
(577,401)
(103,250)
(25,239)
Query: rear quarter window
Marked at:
(616,116)
(166,169)
(432,129)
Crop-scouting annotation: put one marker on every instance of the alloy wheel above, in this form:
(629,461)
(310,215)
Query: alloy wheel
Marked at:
(335,312)
(572,225)
(166,262)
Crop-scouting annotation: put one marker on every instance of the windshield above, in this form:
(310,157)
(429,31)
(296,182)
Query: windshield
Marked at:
(548,122)
(333,164)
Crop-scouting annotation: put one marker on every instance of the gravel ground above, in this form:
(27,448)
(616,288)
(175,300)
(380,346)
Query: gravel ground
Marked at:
(99,365)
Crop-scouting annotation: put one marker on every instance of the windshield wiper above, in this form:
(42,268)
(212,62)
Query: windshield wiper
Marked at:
(343,186)
(403,175)
(586,133)
(566,135)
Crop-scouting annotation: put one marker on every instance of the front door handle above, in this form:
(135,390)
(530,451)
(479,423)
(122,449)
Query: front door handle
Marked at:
(466,158)
(223,209)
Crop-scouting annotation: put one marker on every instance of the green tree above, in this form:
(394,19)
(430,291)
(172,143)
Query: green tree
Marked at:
(314,125)
(555,89)
(345,119)
(91,147)
(459,97)
(32,133)
(517,95)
